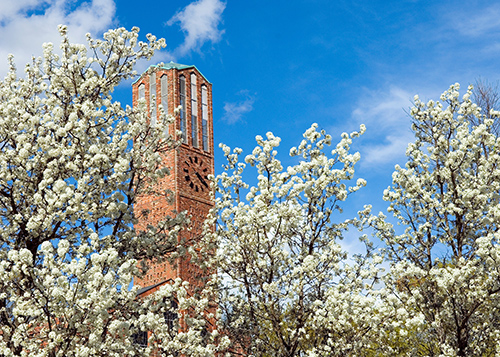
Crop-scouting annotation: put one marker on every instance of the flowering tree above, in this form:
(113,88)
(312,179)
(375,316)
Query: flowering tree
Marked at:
(487,97)
(287,287)
(445,265)
(68,181)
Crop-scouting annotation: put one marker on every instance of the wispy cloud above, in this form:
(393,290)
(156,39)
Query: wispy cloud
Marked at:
(26,24)
(391,151)
(10,9)
(389,106)
(200,22)
(473,31)
(387,124)
(233,112)
(477,23)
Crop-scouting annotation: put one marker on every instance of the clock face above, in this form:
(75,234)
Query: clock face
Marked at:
(196,174)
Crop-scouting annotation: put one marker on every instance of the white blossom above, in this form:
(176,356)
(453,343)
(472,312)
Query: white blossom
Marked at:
(69,178)
(286,286)
(445,263)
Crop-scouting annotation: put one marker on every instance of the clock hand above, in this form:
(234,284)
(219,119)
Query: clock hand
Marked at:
(201,179)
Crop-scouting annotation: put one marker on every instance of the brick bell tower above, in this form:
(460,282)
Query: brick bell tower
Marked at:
(173,85)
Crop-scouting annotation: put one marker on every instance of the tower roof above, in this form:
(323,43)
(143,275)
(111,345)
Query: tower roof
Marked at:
(174,65)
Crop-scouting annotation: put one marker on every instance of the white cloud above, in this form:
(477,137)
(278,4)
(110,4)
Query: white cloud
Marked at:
(199,21)
(393,148)
(388,125)
(26,24)
(233,112)
(9,9)
(385,108)
(480,22)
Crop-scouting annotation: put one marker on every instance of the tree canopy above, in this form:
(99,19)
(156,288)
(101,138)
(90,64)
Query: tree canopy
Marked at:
(73,161)
(69,177)
(288,287)
(444,266)
(290,290)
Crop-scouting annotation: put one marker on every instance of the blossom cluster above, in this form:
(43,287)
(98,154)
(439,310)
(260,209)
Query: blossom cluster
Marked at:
(72,162)
(286,286)
(444,266)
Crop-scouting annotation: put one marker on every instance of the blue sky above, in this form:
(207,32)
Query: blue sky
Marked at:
(281,65)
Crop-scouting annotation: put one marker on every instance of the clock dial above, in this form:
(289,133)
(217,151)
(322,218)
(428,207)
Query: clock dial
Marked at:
(196,174)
